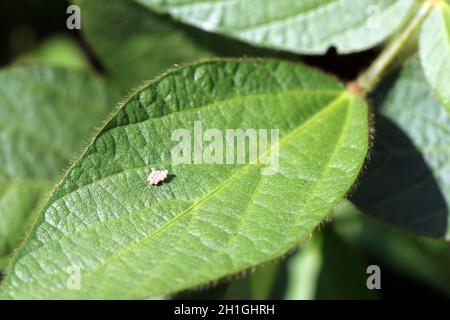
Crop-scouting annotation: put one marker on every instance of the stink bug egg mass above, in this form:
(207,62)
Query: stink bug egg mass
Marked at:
(157,176)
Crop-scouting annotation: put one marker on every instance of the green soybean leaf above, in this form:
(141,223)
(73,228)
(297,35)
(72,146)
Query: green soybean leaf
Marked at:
(435,51)
(45,115)
(407,183)
(307,26)
(125,238)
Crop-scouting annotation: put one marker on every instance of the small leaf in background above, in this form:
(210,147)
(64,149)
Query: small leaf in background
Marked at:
(305,27)
(46,114)
(132,240)
(435,51)
(58,51)
(303,270)
(407,183)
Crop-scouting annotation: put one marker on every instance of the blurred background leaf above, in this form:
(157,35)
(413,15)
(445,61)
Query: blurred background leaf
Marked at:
(58,51)
(435,51)
(46,114)
(304,27)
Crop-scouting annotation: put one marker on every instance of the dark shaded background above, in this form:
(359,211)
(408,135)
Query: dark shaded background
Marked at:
(25,23)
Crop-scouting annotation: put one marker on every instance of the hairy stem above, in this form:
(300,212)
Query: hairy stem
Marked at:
(367,81)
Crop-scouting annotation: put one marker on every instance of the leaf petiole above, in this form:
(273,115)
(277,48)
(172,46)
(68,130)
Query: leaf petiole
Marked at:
(367,81)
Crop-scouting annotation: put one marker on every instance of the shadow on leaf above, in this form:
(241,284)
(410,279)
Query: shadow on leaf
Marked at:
(399,187)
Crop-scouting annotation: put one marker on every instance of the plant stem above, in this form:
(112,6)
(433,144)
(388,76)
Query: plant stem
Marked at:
(372,75)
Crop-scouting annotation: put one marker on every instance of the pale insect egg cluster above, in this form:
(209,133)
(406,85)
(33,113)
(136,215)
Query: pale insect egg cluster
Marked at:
(157,176)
